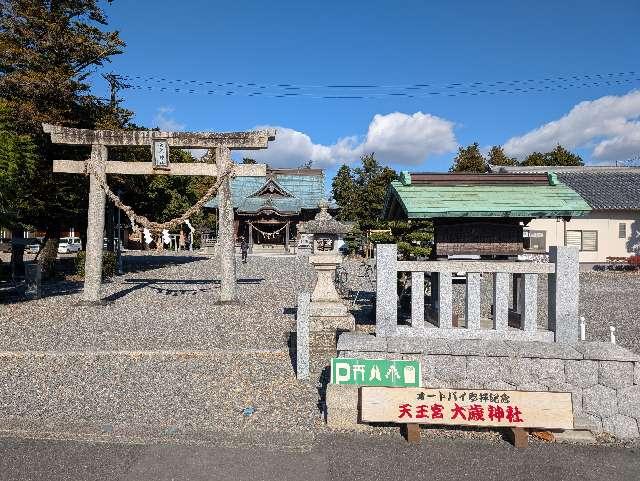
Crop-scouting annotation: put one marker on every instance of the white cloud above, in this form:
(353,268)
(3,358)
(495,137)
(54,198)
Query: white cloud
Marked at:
(396,137)
(608,125)
(165,121)
(409,139)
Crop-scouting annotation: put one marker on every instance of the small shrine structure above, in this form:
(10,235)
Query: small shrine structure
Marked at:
(480,214)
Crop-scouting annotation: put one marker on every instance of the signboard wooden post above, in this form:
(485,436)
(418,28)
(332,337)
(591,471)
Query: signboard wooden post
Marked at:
(468,407)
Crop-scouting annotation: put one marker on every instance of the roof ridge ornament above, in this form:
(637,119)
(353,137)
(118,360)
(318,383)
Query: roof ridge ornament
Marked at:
(405,177)
(270,188)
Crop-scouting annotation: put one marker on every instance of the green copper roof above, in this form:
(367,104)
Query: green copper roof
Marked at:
(304,192)
(424,201)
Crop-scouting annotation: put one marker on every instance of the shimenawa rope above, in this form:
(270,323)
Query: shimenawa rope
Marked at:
(157,227)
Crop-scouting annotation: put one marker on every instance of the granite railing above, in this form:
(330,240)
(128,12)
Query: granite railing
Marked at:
(563,290)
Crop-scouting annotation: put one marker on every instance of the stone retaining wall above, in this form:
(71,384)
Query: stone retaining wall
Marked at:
(604,379)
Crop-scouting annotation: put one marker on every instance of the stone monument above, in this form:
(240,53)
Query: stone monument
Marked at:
(327,311)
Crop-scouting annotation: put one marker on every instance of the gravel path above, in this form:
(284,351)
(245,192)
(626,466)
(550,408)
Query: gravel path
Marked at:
(612,299)
(171,308)
(162,358)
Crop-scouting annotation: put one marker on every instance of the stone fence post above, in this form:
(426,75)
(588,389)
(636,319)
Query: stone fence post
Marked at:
(302,335)
(564,290)
(386,289)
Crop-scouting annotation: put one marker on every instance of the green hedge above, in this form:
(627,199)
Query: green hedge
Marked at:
(109,263)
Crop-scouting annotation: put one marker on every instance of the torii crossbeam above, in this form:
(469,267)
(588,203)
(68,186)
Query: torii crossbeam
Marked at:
(159,143)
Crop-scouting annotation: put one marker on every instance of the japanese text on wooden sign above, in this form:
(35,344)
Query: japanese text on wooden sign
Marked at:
(470,407)
(160,151)
(375,372)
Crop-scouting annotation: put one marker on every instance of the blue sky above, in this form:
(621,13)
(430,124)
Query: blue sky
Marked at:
(397,44)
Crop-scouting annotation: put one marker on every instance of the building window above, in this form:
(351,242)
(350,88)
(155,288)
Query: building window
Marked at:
(535,240)
(584,240)
(622,230)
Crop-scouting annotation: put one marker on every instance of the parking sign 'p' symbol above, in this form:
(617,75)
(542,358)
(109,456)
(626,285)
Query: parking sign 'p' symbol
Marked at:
(343,372)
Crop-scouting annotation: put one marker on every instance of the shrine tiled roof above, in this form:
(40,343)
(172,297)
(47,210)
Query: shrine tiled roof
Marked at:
(602,187)
(426,196)
(292,191)
(606,190)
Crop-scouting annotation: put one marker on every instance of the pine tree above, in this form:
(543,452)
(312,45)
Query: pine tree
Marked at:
(360,192)
(47,50)
(535,159)
(344,192)
(498,157)
(561,156)
(17,174)
(17,170)
(372,181)
(469,159)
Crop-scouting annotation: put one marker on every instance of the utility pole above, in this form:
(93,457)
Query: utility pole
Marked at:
(115,85)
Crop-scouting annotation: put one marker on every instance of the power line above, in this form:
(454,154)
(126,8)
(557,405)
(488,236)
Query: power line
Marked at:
(140,79)
(370,91)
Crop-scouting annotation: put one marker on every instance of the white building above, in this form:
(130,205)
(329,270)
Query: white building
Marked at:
(612,229)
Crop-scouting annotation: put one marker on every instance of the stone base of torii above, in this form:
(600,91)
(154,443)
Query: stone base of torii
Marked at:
(159,143)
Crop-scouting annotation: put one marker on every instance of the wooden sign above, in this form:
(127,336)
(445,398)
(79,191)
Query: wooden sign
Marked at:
(467,407)
(160,151)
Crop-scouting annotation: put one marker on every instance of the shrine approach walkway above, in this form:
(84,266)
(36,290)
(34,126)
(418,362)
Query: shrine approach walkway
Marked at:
(162,359)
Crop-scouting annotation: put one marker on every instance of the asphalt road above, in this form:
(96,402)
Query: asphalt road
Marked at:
(331,458)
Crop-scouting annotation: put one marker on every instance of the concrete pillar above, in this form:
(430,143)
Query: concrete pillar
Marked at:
(445,300)
(528,302)
(386,289)
(564,289)
(434,291)
(500,301)
(417,299)
(95,226)
(250,238)
(286,237)
(226,240)
(302,335)
(517,292)
(472,305)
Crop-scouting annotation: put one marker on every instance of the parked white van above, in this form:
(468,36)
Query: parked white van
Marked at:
(69,244)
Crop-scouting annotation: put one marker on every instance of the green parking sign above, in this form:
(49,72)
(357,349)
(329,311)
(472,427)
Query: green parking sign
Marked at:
(375,372)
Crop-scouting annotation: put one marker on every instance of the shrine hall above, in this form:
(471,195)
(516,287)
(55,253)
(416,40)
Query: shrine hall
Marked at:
(267,209)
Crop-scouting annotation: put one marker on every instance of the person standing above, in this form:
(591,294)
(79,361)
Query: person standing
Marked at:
(244,248)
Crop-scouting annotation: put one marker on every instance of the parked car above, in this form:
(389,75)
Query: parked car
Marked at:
(69,244)
(33,247)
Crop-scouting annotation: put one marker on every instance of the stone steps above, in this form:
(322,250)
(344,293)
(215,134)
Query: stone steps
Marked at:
(154,393)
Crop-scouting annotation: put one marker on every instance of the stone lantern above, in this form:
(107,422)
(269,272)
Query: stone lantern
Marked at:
(327,310)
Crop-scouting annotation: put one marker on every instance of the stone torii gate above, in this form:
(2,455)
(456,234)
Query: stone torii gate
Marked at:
(159,143)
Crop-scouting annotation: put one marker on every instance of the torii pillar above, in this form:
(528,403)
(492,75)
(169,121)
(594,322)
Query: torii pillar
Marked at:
(226,235)
(95,227)
(159,142)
